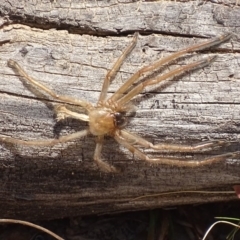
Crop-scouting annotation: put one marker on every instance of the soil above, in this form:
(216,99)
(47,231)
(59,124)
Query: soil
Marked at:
(183,222)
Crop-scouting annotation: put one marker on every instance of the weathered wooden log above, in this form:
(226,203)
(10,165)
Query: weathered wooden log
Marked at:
(59,181)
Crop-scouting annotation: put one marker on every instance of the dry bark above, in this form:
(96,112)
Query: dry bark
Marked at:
(44,183)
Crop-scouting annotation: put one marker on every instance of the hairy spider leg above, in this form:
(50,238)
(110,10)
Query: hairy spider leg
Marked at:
(110,75)
(136,139)
(46,143)
(97,156)
(154,66)
(65,99)
(173,161)
(61,110)
(175,72)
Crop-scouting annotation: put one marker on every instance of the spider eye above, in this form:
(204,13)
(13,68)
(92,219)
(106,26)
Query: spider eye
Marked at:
(120,119)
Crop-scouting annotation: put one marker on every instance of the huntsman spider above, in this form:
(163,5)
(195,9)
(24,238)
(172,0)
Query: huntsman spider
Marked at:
(108,116)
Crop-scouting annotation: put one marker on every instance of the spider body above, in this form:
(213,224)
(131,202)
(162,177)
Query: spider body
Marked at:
(103,121)
(108,117)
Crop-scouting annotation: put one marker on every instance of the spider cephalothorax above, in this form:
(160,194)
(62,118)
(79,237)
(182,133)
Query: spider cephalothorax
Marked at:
(109,115)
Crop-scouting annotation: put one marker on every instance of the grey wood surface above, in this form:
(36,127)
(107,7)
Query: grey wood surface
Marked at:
(43,183)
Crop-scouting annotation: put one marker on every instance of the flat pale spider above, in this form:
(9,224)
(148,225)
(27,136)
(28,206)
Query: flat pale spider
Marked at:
(108,117)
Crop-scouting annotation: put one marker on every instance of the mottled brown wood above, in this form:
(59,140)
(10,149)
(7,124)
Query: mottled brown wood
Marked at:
(43,183)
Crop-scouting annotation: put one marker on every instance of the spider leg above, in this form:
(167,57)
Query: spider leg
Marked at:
(203,146)
(154,66)
(62,113)
(46,143)
(97,157)
(172,161)
(116,67)
(28,79)
(175,72)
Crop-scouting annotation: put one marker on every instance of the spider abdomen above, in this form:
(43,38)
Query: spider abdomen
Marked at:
(101,121)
